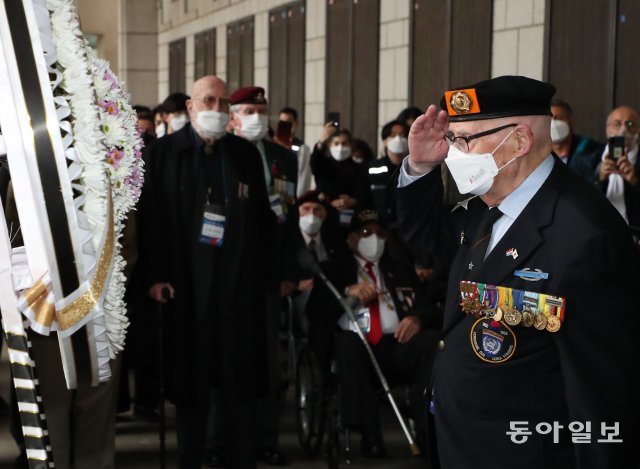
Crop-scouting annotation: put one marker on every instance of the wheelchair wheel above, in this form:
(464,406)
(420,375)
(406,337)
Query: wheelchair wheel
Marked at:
(310,400)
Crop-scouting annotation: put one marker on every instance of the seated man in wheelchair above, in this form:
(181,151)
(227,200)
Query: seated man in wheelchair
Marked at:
(392,313)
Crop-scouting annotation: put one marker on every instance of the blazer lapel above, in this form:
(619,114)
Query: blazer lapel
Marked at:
(524,235)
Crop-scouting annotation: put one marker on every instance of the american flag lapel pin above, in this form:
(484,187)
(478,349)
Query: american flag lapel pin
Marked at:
(513,252)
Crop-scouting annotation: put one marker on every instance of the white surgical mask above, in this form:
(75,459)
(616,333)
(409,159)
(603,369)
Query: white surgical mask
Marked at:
(340,153)
(179,121)
(161,130)
(398,145)
(254,126)
(212,124)
(559,130)
(310,224)
(474,172)
(371,247)
(357,160)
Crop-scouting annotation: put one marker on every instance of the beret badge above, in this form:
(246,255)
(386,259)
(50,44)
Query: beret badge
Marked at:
(461,102)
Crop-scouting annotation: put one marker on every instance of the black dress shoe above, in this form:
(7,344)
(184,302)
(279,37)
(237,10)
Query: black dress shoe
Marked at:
(272,457)
(145,414)
(372,445)
(214,458)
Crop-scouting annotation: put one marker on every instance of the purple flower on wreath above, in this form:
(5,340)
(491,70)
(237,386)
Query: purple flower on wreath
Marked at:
(110,107)
(114,156)
(111,79)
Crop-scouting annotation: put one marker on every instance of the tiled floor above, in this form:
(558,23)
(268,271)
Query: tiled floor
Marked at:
(137,443)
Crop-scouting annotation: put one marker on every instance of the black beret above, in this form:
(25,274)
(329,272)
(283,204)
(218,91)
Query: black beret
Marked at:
(314,196)
(499,97)
(362,218)
(249,95)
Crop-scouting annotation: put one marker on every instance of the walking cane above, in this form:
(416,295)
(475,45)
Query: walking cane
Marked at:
(308,262)
(161,416)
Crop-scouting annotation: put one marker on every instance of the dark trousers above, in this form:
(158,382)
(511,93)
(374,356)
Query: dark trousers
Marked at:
(238,424)
(409,363)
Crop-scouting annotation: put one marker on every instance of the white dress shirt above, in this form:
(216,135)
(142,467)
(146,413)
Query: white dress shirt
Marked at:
(388,316)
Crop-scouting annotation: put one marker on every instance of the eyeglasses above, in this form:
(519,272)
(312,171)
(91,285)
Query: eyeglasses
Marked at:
(212,101)
(630,125)
(462,143)
(367,231)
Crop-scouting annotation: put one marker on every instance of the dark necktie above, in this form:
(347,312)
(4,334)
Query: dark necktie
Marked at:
(482,238)
(312,248)
(375,331)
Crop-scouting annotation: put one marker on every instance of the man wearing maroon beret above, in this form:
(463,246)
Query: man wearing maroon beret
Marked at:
(250,121)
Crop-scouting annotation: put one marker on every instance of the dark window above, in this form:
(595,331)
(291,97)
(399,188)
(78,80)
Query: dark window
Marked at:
(582,78)
(450,46)
(352,65)
(286,60)
(240,54)
(177,66)
(205,53)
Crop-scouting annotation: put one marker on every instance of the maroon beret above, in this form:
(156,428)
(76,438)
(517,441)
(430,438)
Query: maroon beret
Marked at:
(314,196)
(248,95)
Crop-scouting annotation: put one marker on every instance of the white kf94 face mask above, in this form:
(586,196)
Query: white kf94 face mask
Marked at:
(371,248)
(474,172)
(310,224)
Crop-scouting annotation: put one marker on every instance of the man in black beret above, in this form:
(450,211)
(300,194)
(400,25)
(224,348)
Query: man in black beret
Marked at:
(537,361)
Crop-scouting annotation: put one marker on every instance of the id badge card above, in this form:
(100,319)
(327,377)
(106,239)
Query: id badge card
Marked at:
(213,221)
(363,317)
(286,188)
(275,201)
(345,216)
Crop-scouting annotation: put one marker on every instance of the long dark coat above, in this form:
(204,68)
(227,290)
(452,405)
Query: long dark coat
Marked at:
(213,326)
(587,371)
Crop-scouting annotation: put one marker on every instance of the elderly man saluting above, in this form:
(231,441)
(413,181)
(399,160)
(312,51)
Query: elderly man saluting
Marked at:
(537,361)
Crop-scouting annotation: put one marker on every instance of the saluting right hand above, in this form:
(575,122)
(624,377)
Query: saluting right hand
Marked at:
(427,145)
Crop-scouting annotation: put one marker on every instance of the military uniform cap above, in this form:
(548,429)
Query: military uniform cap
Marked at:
(315,197)
(362,218)
(249,95)
(498,97)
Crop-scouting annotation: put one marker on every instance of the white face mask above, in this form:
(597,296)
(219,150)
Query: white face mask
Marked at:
(357,160)
(559,130)
(212,124)
(398,145)
(310,224)
(161,130)
(254,126)
(371,247)
(340,153)
(179,121)
(474,172)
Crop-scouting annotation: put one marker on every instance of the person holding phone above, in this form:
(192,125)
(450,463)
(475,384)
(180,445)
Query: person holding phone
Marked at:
(619,168)
(306,182)
(334,170)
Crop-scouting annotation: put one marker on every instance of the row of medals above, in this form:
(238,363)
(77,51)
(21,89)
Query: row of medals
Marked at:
(512,316)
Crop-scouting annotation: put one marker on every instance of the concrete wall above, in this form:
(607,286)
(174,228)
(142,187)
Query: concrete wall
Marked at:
(518,38)
(140,53)
(395,27)
(102,19)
